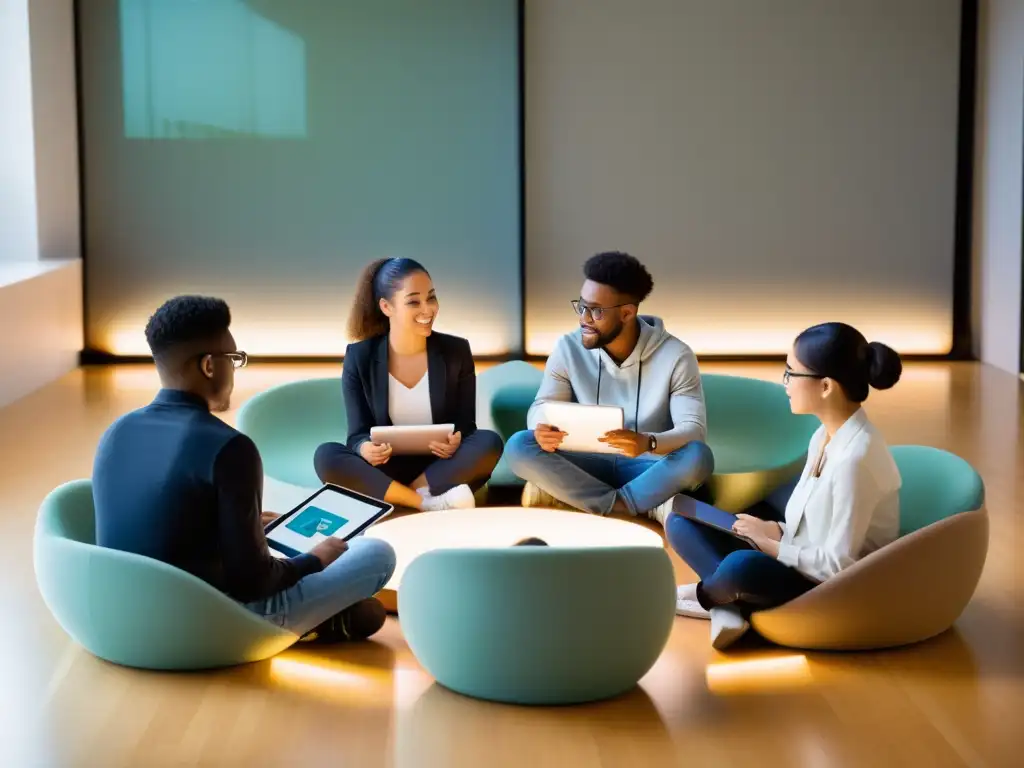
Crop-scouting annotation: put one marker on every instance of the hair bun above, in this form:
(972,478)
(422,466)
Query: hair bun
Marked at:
(884,366)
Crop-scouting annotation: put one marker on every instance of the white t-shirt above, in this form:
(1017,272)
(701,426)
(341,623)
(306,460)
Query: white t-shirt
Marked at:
(407,406)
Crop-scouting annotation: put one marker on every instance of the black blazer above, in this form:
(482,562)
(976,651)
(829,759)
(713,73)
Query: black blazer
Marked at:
(364,382)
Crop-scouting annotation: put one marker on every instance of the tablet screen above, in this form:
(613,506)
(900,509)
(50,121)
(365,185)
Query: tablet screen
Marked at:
(710,516)
(330,512)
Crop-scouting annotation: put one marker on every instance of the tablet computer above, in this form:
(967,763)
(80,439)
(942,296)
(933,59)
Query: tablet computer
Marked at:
(411,440)
(331,511)
(583,424)
(705,514)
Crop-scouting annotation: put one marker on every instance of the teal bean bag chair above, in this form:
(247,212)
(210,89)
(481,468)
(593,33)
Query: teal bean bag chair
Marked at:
(290,421)
(757,441)
(538,625)
(133,610)
(910,590)
(504,396)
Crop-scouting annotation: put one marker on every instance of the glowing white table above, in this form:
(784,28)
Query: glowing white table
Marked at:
(486,527)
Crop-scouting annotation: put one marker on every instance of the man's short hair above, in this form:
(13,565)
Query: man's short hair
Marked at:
(186,320)
(622,272)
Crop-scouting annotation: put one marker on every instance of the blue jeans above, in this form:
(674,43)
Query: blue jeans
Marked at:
(732,572)
(358,574)
(593,481)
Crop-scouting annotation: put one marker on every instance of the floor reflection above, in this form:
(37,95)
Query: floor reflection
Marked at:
(443,728)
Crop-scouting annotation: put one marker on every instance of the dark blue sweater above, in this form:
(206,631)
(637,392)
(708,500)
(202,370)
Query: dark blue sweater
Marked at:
(173,482)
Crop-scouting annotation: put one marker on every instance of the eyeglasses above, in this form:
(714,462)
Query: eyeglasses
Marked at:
(789,373)
(238,359)
(596,313)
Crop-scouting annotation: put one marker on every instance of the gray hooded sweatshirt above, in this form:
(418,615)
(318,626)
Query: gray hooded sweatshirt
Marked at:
(658,386)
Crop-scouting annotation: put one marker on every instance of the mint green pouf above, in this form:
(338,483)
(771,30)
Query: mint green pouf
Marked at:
(133,610)
(936,485)
(538,625)
(504,396)
(757,441)
(290,421)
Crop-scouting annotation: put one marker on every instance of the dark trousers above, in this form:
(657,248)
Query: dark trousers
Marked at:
(471,465)
(731,571)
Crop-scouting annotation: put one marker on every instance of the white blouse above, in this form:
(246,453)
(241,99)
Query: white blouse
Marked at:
(847,512)
(409,406)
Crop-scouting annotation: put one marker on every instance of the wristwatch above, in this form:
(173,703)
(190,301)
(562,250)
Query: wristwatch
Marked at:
(652,443)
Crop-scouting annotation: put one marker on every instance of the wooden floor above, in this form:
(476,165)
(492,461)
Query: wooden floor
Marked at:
(956,700)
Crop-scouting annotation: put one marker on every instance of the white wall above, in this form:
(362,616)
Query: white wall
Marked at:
(55,112)
(40,268)
(46,309)
(19,239)
(997,214)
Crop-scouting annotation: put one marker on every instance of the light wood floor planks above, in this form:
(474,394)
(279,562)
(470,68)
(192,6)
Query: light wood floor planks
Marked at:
(956,700)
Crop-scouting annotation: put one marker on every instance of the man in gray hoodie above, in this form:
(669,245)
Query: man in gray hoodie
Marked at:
(617,357)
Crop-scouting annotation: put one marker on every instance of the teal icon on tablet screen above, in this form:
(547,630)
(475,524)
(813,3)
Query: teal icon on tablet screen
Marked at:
(313,520)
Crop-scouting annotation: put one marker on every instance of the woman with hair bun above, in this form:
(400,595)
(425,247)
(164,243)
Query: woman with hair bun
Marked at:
(844,506)
(399,371)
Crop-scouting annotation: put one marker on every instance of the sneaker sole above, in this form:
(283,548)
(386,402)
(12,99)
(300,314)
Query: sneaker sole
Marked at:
(727,637)
(692,613)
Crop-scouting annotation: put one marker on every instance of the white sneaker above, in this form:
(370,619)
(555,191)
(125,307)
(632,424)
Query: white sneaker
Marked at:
(686,591)
(687,605)
(691,609)
(459,497)
(661,512)
(727,626)
(535,496)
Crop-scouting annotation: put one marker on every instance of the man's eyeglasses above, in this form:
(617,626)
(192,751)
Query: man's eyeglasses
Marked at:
(596,313)
(789,373)
(238,359)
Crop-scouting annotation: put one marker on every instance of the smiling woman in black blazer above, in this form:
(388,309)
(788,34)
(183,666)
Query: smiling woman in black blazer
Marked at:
(400,372)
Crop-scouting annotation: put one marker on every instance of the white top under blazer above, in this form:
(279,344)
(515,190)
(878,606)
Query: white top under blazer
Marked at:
(847,512)
(409,406)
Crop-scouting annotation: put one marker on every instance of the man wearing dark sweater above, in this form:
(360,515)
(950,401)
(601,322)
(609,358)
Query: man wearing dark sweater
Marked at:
(173,482)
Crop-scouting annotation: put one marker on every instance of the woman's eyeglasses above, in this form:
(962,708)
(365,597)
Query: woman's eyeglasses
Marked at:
(789,373)
(596,313)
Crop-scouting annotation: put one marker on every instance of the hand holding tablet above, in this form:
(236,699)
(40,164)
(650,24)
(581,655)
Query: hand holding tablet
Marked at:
(324,522)
(414,440)
(375,454)
(627,442)
(447,448)
(578,427)
(712,517)
(549,438)
(329,550)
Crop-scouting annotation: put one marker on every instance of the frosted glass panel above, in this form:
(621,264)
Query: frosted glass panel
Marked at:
(264,151)
(210,69)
